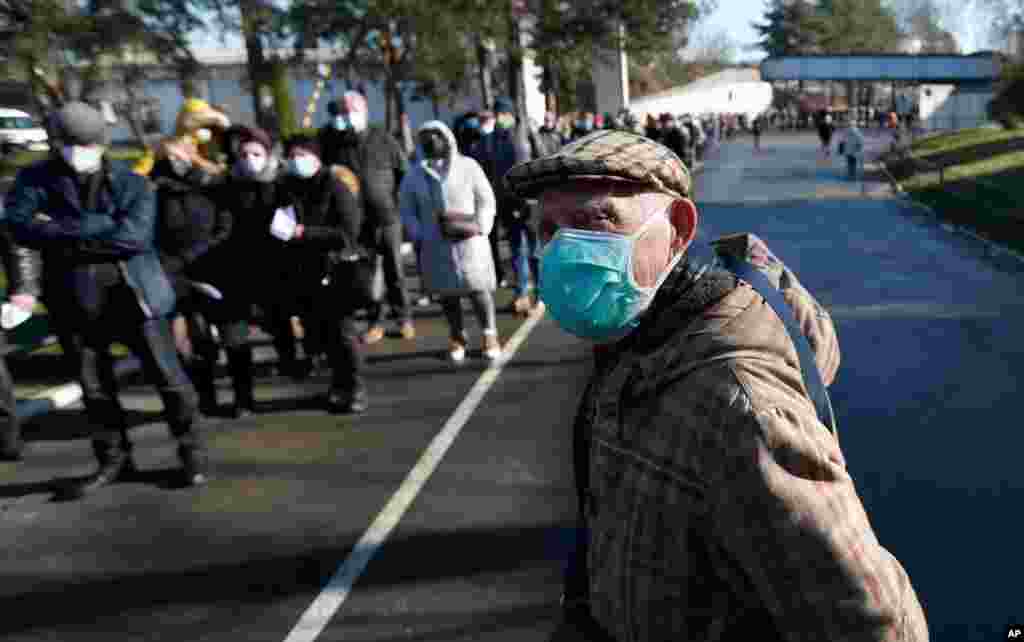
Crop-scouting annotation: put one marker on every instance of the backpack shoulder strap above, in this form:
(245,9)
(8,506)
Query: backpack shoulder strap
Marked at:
(808,366)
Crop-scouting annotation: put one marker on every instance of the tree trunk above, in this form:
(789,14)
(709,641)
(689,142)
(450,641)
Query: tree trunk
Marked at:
(255,59)
(484,66)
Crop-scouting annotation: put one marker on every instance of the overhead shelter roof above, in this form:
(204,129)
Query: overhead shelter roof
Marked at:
(928,68)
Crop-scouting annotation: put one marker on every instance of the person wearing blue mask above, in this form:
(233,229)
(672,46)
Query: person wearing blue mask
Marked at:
(328,215)
(713,495)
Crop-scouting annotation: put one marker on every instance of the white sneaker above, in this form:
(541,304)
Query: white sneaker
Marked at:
(456,351)
(491,347)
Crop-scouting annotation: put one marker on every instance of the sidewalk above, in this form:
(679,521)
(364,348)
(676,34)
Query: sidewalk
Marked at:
(789,166)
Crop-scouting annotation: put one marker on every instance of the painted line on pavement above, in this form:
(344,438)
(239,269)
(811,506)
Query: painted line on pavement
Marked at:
(326,605)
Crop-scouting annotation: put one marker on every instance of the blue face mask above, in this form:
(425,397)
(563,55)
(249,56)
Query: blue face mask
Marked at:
(588,286)
(472,123)
(341,122)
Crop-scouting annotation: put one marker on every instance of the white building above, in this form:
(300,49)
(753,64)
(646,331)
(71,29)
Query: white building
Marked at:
(732,91)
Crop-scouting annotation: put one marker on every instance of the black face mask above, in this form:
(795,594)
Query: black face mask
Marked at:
(434,146)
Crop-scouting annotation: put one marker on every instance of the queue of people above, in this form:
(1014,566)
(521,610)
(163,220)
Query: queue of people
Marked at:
(177,262)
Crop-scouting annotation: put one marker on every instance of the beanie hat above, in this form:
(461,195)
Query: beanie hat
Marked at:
(303,142)
(80,124)
(255,135)
(504,105)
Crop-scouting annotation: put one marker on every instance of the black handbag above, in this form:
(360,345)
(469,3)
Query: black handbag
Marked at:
(357,278)
(456,226)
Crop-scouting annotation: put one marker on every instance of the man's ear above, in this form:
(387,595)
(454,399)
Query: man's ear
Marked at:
(683,216)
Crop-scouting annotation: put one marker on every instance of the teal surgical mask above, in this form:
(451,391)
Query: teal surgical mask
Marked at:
(304,166)
(340,122)
(588,286)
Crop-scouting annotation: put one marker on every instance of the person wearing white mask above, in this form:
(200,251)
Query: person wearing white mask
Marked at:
(328,216)
(93,221)
(378,161)
(252,194)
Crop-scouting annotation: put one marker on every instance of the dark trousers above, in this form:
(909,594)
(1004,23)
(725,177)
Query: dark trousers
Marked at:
(232,324)
(10,428)
(499,268)
(327,330)
(389,246)
(88,348)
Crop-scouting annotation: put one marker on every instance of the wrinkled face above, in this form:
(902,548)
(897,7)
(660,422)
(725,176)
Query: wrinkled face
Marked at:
(621,208)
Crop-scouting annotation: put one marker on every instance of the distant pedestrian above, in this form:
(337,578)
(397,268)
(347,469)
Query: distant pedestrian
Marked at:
(825,130)
(755,129)
(448,208)
(853,150)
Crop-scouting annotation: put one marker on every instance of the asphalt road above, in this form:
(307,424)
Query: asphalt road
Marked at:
(925,400)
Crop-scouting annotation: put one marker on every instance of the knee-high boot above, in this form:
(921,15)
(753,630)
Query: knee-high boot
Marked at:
(240,369)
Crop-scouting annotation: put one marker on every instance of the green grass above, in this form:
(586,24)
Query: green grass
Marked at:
(988,169)
(10,165)
(964,139)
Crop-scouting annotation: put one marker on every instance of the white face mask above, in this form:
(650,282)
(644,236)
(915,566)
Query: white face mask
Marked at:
(204,136)
(84,159)
(487,127)
(359,120)
(253,165)
(304,166)
(180,167)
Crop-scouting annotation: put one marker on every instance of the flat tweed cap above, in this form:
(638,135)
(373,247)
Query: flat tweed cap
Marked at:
(609,153)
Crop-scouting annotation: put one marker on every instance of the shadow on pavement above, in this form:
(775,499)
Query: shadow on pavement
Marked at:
(413,559)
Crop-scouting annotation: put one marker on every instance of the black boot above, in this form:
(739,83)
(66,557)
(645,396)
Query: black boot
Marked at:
(201,372)
(11,445)
(352,401)
(240,369)
(194,467)
(113,465)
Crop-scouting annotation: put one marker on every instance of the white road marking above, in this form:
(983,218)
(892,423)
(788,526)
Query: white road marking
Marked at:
(330,599)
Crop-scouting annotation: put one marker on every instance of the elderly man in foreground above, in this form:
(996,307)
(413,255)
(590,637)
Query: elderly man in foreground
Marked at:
(716,502)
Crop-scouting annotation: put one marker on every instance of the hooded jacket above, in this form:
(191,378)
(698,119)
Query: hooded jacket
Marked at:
(719,507)
(449,267)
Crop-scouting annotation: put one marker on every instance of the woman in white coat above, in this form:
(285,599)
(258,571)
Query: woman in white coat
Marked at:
(448,209)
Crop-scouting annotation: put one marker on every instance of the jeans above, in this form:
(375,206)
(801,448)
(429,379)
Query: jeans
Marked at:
(326,330)
(389,245)
(852,165)
(151,340)
(522,237)
(483,307)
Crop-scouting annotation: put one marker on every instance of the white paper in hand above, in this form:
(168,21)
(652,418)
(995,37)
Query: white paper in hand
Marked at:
(284,224)
(208,290)
(11,316)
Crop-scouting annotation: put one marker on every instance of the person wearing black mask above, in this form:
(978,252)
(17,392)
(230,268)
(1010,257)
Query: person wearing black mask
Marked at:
(93,221)
(328,216)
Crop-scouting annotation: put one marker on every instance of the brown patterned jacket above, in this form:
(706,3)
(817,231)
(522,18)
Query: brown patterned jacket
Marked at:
(719,507)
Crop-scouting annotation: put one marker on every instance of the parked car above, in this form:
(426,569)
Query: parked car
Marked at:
(18,130)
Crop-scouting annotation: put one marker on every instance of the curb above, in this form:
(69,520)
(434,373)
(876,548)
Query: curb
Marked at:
(991,246)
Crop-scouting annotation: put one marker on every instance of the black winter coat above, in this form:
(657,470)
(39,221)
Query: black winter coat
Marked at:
(189,225)
(21,266)
(332,217)
(379,162)
(249,260)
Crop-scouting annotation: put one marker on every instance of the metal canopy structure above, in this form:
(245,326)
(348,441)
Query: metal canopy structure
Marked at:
(980,68)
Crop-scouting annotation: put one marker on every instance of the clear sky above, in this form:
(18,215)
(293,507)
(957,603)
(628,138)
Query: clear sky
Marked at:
(735,16)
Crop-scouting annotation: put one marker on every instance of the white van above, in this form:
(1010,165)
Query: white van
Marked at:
(19,131)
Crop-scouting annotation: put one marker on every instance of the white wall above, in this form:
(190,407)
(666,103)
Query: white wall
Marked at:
(944,107)
(749,98)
